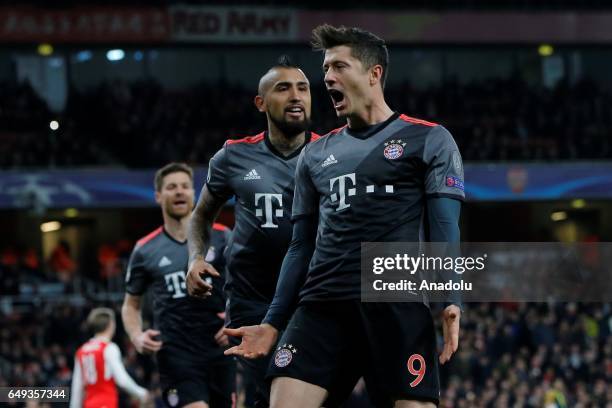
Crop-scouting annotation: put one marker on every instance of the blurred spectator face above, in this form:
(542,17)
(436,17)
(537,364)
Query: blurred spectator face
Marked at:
(286,100)
(176,196)
(348,82)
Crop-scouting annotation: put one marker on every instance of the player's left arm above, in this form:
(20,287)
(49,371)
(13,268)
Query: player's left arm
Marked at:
(444,187)
(76,388)
(443,220)
(112,357)
(258,340)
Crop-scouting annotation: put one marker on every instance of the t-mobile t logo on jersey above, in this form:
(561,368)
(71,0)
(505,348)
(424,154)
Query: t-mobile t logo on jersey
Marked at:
(343,192)
(268,207)
(175,282)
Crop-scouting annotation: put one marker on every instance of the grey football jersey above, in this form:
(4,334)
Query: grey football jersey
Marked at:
(370,186)
(159,262)
(262,180)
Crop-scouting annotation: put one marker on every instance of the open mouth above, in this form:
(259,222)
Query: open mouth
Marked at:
(295,111)
(337,97)
(180,202)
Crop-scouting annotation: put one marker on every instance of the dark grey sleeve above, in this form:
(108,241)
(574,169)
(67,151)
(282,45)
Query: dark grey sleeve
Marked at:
(137,278)
(305,196)
(444,175)
(217,177)
(293,271)
(443,221)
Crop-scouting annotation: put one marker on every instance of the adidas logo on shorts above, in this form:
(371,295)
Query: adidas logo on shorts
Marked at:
(329,161)
(252,175)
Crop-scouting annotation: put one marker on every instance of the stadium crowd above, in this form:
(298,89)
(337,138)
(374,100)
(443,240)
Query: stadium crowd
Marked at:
(511,355)
(496,119)
(523,356)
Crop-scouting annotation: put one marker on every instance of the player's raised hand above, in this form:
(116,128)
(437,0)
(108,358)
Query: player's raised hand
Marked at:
(145,342)
(257,341)
(450,328)
(196,285)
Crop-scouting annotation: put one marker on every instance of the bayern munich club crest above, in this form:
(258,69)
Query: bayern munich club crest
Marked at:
(284,355)
(394,149)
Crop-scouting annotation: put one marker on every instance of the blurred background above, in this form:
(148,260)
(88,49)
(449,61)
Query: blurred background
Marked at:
(96,95)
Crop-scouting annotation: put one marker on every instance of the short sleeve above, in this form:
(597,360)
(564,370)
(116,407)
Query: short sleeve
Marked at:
(137,278)
(217,177)
(444,174)
(305,197)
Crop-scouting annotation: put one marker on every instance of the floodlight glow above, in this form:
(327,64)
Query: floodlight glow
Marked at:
(50,226)
(84,55)
(546,50)
(45,50)
(115,55)
(558,216)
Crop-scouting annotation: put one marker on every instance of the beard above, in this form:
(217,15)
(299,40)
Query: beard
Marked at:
(178,214)
(291,129)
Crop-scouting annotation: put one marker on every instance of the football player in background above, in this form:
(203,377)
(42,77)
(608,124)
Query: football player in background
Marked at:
(98,368)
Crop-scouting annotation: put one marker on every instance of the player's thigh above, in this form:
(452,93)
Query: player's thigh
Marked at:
(320,348)
(183,383)
(401,357)
(293,393)
(222,384)
(193,393)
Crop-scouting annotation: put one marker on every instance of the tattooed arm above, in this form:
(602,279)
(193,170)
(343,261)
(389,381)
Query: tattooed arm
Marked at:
(200,229)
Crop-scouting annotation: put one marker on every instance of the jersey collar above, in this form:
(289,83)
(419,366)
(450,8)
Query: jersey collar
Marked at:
(307,137)
(365,132)
(172,238)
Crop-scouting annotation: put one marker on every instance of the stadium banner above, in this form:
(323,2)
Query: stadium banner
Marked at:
(246,24)
(99,188)
(486,272)
(84,25)
(233,25)
(134,188)
(469,27)
(538,181)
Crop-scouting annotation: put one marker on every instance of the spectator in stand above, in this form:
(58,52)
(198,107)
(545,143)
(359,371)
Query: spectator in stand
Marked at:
(36,348)
(493,119)
(61,263)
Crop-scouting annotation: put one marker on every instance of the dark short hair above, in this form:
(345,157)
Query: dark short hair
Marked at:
(366,47)
(99,319)
(284,61)
(170,168)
